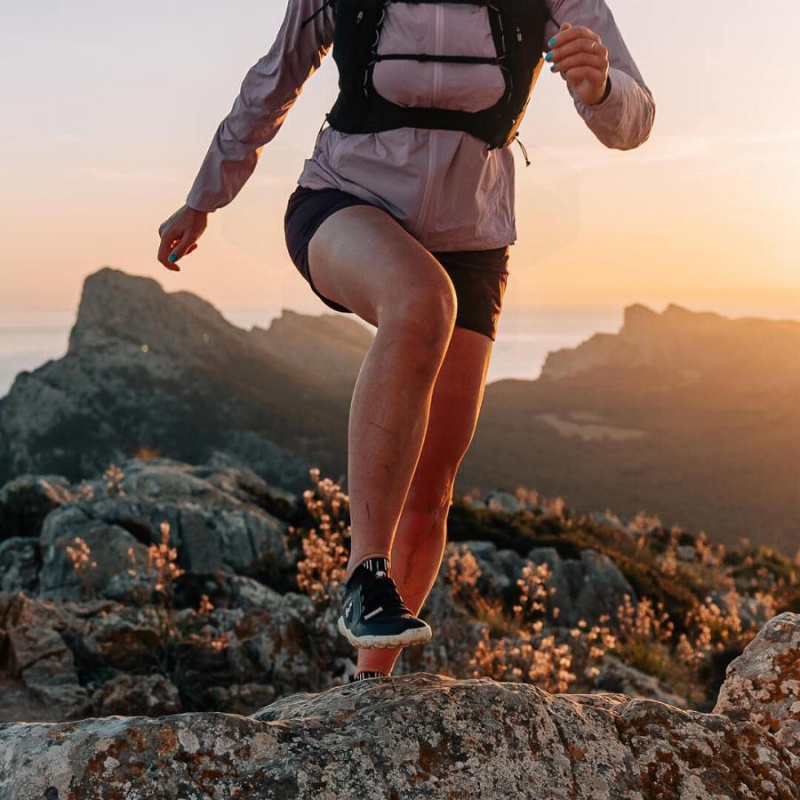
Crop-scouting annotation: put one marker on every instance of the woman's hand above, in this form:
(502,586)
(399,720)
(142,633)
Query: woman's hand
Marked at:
(179,235)
(578,54)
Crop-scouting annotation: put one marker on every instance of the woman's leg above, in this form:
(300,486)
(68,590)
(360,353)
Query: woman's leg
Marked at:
(421,534)
(363,259)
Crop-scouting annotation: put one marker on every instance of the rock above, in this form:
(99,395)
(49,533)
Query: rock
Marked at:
(762,685)
(212,529)
(686,552)
(66,652)
(19,565)
(149,695)
(498,500)
(105,547)
(39,657)
(499,568)
(27,500)
(235,478)
(244,699)
(408,737)
(585,589)
(616,676)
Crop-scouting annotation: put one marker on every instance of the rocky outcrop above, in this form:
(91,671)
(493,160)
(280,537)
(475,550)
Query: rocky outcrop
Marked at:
(215,517)
(413,736)
(27,499)
(685,345)
(67,660)
(212,531)
(763,684)
(583,588)
(148,371)
(83,604)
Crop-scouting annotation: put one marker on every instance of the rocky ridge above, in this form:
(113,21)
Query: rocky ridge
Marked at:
(158,373)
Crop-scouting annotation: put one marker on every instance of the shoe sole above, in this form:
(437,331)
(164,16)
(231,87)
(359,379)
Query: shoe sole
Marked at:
(409,637)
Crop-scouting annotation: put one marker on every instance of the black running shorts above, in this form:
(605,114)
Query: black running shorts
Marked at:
(479,276)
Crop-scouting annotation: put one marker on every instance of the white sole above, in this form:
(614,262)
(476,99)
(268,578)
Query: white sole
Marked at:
(413,636)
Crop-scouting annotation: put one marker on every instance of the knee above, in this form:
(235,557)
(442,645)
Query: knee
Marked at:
(427,312)
(424,500)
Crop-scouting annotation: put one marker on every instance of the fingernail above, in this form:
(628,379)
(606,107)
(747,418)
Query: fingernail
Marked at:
(173,257)
(553,68)
(549,56)
(552,42)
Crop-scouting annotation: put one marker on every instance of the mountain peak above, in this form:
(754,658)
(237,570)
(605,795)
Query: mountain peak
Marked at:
(133,308)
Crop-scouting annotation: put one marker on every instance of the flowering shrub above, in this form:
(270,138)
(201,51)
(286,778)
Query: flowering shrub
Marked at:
(515,645)
(113,477)
(325,548)
(158,575)
(80,557)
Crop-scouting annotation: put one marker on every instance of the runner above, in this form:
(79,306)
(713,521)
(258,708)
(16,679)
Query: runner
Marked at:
(404,215)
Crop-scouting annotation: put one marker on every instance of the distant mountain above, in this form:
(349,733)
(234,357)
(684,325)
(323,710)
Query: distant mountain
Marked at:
(691,416)
(167,373)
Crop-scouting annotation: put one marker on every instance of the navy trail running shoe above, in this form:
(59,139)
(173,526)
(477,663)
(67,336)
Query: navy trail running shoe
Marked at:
(375,616)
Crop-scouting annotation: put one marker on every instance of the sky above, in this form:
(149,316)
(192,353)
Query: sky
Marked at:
(109,109)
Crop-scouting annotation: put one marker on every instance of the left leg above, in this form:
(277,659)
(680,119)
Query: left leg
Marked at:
(421,535)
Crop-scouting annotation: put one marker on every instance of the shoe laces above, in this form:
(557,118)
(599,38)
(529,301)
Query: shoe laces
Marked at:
(382,591)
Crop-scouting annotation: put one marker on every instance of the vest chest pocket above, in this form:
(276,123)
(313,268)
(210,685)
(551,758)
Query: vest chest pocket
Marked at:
(442,29)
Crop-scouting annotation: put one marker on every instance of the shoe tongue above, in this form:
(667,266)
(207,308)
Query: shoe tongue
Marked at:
(380,574)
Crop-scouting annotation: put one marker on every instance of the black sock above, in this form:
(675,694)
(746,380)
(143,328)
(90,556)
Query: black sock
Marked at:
(378,564)
(367,674)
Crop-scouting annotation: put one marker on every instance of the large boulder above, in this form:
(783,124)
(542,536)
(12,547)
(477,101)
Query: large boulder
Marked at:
(762,685)
(408,737)
(213,524)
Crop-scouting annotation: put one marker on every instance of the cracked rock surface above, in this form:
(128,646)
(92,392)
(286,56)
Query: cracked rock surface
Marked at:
(426,735)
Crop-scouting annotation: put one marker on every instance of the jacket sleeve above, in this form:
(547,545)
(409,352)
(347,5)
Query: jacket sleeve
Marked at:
(625,118)
(268,91)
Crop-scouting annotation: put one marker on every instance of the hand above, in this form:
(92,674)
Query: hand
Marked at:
(179,235)
(580,57)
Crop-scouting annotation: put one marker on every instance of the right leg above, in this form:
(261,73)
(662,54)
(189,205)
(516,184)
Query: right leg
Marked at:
(422,532)
(363,259)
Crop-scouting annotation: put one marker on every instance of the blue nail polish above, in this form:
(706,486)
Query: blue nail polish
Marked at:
(553,68)
(552,42)
(173,257)
(549,56)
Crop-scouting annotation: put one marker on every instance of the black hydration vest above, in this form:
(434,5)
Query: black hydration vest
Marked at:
(517,29)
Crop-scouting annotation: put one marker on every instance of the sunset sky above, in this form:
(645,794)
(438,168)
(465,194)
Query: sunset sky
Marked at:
(109,109)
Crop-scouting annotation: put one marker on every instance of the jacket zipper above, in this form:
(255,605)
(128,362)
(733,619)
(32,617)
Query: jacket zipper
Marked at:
(432,132)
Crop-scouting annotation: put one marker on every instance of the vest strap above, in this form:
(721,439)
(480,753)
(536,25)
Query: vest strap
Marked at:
(426,57)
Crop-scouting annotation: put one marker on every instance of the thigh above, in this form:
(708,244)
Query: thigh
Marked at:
(363,259)
(455,408)
(479,278)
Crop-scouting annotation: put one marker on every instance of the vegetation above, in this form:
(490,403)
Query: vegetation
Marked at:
(695,607)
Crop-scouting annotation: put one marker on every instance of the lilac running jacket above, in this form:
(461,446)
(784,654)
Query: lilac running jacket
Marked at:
(445,187)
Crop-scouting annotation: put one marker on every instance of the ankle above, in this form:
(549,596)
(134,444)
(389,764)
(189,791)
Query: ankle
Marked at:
(365,674)
(375,562)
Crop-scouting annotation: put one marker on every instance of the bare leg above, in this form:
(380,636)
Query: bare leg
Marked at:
(360,257)
(422,532)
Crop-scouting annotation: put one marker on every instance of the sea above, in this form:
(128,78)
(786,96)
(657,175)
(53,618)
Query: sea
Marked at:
(29,338)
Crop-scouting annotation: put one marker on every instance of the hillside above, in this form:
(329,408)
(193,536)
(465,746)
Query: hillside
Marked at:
(149,372)
(689,416)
